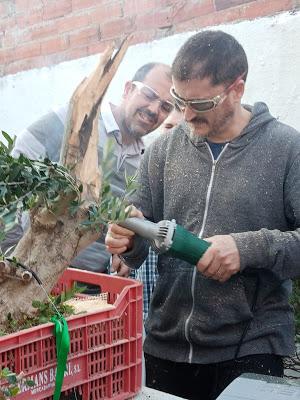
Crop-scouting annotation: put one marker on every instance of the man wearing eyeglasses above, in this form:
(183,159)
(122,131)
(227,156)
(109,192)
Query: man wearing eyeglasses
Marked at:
(145,104)
(231,175)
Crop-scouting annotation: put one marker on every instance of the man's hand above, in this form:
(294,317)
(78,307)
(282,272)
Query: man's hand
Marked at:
(118,266)
(221,260)
(119,239)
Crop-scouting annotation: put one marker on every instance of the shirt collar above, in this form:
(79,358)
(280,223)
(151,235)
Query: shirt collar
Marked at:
(109,119)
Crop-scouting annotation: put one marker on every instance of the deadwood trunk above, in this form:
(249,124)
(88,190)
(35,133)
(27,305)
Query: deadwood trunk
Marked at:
(53,240)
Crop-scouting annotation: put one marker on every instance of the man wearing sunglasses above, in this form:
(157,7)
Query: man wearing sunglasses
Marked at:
(145,104)
(231,175)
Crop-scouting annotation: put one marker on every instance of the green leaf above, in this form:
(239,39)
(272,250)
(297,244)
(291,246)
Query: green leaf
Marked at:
(10,141)
(6,392)
(36,304)
(43,319)
(5,372)
(11,378)
(14,391)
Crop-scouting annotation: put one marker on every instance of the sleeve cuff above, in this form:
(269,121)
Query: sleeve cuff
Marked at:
(135,257)
(253,248)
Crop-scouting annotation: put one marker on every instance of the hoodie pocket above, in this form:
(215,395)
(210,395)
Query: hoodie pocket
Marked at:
(221,311)
(171,301)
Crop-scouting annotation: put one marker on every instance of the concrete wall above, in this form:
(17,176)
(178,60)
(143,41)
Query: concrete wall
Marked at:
(271,43)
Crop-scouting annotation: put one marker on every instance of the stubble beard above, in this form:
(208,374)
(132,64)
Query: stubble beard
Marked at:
(217,128)
(135,132)
(134,129)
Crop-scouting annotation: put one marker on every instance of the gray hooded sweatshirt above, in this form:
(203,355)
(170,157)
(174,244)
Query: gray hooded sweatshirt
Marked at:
(252,191)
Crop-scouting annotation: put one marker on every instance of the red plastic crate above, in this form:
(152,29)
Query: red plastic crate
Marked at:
(105,358)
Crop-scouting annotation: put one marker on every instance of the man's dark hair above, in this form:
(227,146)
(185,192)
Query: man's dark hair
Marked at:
(143,71)
(211,54)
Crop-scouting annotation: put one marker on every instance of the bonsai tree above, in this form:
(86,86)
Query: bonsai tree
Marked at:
(64,199)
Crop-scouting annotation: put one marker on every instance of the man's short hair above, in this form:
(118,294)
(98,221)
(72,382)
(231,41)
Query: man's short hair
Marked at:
(143,71)
(211,54)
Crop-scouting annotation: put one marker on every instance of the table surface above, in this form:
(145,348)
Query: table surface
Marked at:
(151,394)
(257,387)
(239,389)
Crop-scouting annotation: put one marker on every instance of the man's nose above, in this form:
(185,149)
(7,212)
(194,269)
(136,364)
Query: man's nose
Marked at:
(154,106)
(188,114)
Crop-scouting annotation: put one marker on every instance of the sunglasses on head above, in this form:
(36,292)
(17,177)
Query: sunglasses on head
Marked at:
(203,105)
(151,96)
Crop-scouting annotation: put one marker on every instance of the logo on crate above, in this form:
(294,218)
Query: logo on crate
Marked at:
(45,380)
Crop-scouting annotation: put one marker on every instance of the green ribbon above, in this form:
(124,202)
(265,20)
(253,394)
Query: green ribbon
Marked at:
(61,334)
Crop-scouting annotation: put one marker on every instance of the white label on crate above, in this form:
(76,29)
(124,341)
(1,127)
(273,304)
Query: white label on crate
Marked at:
(45,380)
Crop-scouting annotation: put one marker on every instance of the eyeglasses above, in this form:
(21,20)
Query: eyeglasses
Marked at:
(203,105)
(151,96)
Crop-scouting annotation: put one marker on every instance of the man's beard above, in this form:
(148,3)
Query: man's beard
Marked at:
(216,127)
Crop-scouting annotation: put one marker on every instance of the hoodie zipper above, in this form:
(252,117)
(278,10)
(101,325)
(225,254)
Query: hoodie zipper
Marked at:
(208,194)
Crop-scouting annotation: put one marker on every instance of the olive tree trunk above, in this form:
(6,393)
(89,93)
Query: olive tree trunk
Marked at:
(52,241)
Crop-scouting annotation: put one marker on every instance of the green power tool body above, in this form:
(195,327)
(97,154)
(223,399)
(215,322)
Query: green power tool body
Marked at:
(167,237)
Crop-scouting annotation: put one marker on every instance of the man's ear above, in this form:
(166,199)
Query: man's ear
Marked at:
(239,90)
(127,89)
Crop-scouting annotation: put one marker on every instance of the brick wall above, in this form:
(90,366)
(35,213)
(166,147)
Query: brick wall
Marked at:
(36,33)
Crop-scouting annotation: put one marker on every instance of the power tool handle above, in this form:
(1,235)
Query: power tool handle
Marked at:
(187,246)
(142,227)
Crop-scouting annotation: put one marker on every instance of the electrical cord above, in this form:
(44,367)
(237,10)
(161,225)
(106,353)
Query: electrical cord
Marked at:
(26,269)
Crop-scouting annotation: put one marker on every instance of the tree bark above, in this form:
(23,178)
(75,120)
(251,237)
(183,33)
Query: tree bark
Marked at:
(53,240)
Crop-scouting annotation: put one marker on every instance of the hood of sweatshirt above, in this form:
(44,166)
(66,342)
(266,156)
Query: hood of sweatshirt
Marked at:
(260,117)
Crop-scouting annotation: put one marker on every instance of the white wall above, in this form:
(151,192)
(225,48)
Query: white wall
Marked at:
(272,46)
